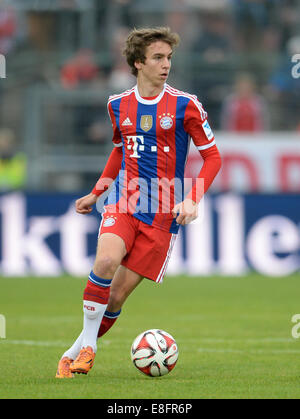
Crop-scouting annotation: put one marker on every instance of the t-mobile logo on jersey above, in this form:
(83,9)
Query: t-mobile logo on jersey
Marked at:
(136,146)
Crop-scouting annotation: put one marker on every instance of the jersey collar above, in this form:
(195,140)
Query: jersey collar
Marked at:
(148,102)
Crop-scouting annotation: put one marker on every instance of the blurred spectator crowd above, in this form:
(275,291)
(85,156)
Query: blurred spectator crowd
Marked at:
(235,55)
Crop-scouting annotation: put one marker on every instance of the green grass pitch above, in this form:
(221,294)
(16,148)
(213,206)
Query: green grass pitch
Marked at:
(234,339)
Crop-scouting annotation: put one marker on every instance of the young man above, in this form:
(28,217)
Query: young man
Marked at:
(152,124)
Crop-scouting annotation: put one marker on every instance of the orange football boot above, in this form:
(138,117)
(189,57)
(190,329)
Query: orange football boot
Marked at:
(84,362)
(63,369)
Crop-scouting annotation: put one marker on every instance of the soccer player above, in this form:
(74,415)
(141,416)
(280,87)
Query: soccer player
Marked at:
(152,126)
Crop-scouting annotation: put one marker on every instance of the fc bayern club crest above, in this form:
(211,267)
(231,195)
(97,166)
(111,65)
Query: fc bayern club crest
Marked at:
(109,221)
(166,121)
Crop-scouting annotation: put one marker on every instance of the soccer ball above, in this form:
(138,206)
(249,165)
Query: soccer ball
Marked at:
(154,352)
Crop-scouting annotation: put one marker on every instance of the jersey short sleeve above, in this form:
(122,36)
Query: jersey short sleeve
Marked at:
(197,126)
(117,139)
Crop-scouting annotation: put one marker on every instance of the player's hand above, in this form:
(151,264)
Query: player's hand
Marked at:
(185,212)
(85,204)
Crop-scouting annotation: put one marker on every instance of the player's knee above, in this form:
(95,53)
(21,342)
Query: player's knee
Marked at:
(105,266)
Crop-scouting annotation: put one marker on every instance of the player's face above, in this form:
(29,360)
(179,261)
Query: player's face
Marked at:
(157,64)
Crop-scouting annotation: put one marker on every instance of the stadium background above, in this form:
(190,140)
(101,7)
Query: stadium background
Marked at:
(63,60)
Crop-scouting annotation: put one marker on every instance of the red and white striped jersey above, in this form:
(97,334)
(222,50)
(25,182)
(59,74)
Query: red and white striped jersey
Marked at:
(155,135)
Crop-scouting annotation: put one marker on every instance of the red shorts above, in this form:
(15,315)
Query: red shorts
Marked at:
(148,248)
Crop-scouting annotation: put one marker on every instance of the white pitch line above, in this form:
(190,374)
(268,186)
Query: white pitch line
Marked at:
(247,340)
(249,351)
(61,344)
(33,343)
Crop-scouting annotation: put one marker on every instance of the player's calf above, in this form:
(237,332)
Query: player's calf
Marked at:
(108,320)
(95,299)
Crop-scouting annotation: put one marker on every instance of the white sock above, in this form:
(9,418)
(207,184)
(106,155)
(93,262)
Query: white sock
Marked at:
(75,348)
(93,314)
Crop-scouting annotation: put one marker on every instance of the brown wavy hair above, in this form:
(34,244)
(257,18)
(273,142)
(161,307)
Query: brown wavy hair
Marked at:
(139,39)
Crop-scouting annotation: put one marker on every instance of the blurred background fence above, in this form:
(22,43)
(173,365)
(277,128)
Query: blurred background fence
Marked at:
(64,58)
